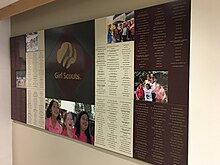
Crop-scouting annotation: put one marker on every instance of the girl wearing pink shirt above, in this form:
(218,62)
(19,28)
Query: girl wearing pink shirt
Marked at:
(160,94)
(81,130)
(140,92)
(68,125)
(52,114)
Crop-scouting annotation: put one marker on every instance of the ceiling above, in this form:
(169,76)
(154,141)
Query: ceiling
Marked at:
(10,8)
(4,3)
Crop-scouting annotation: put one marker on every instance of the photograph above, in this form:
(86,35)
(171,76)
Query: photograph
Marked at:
(71,119)
(31,42)
(20,79)
(151,86)
(120,27)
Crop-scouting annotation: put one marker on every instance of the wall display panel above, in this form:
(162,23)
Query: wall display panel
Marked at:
(35,69)
(122,80)
(69,85)
(18,77)
(162,74)
(114,83)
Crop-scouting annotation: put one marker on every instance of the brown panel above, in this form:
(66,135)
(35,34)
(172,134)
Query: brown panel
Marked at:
(162,44)
(18,64)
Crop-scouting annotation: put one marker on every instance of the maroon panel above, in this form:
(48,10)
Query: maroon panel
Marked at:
(162,44)
(18,63)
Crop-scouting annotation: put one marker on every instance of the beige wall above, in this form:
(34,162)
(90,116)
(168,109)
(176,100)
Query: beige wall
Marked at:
(64,12)
(204,110)
(36,147)
(5,95)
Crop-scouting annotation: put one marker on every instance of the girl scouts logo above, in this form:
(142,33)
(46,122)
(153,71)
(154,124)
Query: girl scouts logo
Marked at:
(66,55)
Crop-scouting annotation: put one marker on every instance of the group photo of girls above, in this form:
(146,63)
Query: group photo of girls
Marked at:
(32,41)
(20,79)
(78,122)
(151,86)
(120,27)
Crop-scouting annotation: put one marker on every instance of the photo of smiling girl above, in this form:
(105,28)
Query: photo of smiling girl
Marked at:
(68,125)
(81,130)
(52,114)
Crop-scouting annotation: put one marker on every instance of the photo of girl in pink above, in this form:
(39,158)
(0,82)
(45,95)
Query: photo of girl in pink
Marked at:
(160,94)
(68,124)
(140,92)
(52,114)
(82,130)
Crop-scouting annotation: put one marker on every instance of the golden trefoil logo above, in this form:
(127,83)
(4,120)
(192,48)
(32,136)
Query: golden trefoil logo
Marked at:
(66,55)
